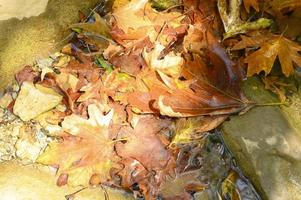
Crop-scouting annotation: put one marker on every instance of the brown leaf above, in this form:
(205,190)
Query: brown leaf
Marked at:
(99,27)
(130,59)
(279,47)
(27,74)
(152,154)
(85,151)
(251,4)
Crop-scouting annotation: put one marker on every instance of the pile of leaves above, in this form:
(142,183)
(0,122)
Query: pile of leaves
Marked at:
(138,86)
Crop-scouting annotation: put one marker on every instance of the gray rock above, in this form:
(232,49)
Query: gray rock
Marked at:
(266,142)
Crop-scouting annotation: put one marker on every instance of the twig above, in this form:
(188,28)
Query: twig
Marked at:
(232,22)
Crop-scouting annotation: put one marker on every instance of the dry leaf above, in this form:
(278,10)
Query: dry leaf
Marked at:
(149,165)
(99,27)
(171,64)
(67,81)
(87,151)
(27,74)
(276,47)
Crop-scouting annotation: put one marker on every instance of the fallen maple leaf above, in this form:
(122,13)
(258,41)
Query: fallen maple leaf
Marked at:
(145,150)
(152,152)
(277,46)
(86,151)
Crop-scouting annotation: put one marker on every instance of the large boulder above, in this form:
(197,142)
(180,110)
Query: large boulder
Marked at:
(266,142)
(35,182)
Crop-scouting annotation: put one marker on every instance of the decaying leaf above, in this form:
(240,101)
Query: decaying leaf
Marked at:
(34,100)
(198,95)
(87,150)
(152,153)
(67,81)
(27,74)
(277,86)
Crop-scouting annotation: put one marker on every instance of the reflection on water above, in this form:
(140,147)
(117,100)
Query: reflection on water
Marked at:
(225,180)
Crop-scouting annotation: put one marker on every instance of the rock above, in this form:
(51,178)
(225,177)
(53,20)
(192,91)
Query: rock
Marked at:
(21,9)
(20,140)
(34,100)
(266,142)
(35,182)
(24,41)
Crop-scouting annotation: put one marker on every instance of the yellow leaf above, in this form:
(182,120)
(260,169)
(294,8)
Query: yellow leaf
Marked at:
(264,58)
(192,128)
(88,150)
(66,81)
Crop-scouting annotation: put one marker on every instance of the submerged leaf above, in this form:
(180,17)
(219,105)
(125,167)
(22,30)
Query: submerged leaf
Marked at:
(191,129)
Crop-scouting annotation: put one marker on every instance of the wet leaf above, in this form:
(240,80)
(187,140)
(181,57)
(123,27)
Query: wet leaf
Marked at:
(229,189)
(191,129)
(180,185)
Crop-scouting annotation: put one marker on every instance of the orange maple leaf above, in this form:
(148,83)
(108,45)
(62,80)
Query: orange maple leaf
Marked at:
(86,151)
(264,58)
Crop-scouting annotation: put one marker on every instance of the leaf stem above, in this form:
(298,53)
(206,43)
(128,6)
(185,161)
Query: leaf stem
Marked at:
(271,104)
